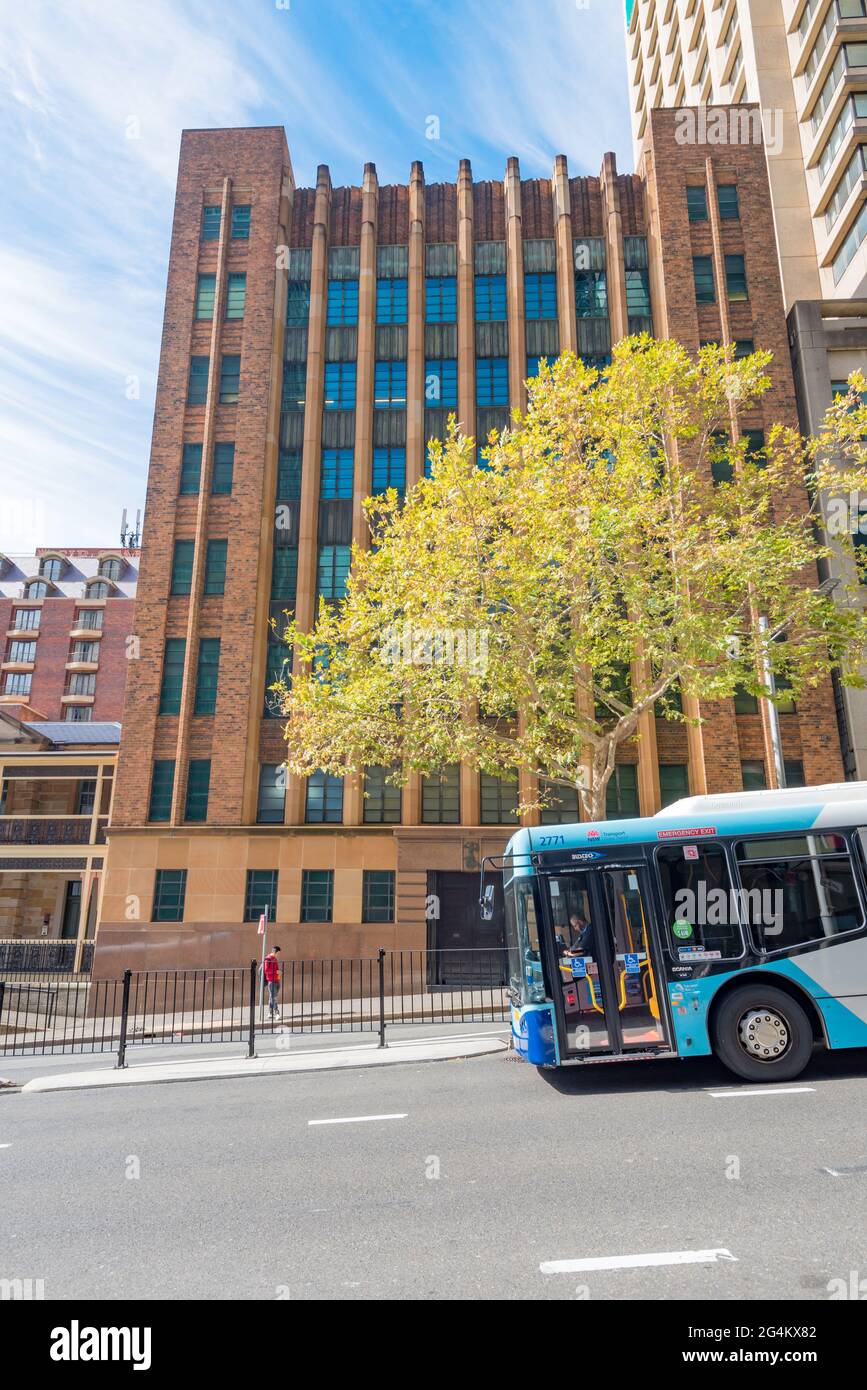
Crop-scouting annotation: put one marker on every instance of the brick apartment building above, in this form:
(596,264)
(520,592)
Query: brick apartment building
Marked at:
(303,328)
(66,615)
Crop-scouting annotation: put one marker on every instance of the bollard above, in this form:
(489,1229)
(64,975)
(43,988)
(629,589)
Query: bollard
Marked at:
(124,1015)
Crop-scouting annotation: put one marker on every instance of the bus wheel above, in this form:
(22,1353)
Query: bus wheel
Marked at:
(762,1034)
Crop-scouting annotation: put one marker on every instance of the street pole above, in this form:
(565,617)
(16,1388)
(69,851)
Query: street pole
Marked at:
(773,713)
(263,932)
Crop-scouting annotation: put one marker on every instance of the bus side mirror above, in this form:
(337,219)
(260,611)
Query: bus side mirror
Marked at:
(486,903)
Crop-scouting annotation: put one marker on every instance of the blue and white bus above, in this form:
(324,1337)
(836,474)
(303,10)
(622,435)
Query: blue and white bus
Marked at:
(734,925)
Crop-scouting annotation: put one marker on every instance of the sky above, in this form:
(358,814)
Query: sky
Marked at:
(93,97)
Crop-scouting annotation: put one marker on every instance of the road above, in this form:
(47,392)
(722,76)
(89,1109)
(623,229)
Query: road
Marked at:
(226,1190)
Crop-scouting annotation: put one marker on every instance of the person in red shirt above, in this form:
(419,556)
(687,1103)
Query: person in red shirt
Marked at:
(272,979)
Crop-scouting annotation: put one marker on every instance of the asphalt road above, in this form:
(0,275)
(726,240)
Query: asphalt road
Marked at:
(225,1190)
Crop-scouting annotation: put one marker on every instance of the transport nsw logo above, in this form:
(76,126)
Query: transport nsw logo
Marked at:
(686,834)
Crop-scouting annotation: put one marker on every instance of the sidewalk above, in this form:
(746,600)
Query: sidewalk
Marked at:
(361,1054)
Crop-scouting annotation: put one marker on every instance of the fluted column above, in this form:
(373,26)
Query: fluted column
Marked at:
(366,355)
(466,302)
(515,286)
(415,440)
(615,268)
(565,262)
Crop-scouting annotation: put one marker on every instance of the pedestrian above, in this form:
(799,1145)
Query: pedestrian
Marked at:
(272,979)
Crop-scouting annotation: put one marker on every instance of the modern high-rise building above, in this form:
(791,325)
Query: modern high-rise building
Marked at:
(803,64)
(315,339)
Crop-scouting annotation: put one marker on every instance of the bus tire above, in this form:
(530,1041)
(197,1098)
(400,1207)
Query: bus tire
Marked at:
(762,1034)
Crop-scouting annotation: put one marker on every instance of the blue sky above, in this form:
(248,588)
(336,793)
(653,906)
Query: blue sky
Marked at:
(93,96)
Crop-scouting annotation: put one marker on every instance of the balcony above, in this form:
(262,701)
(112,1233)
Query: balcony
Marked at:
(51,830)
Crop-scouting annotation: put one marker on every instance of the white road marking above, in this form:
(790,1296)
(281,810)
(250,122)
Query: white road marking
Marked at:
(669,1257)
(357,1119)
(764,1091)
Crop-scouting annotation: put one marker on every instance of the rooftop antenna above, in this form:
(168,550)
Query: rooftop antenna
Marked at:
(129,538)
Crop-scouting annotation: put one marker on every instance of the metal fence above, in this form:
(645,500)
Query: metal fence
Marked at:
(44,955)
(48,1012)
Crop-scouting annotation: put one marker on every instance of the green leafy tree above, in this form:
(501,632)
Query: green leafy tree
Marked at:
(621,553)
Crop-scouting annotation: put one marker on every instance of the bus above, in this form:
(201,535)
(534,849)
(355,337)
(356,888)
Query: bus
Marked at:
(731,925)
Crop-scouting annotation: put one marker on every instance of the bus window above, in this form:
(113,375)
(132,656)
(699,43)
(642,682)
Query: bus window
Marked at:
(700,909)
(798,890)
(522,934)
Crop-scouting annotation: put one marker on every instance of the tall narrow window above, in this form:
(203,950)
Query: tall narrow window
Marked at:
(490,298)
(621,794)
(696,202)
(377,895)
(727,202)
(324,799)
(260,895)
(230,378)
(241,221)
(197,389)
(673,782)
(182,567)
(441,299)
(391,301)
(441,797)
(224,468)
(317,895)
(211,223)
(498,799)
(207,675)
(336,476)
(540,296)
(191,470)
(162,787)
(173,675)
(342,303)
(205,293)
(736,278)
(382,799)
(215,567)
(236,295)
(198,787)
(339,385)
(271,802)
(333,570)
(170,887)
(702,272)
(389,389)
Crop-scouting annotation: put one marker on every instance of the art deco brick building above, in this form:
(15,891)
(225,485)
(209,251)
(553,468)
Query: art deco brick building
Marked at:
(314,340)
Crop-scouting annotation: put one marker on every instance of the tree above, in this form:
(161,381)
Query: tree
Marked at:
(616,554)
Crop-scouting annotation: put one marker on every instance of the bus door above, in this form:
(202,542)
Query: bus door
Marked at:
(610,986)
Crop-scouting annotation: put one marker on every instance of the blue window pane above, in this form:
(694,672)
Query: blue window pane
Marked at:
(533,366)
(297,302)
(441,299)
(240,222)
(342,302)
(441,383)
(492,381)
(389,387)
(391,301)
(336,476)
(540,296)
(389,470)
(211,223)
(324,798)
(340,384)
(333,570)
(490,298)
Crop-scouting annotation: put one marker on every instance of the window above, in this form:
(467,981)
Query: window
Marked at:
(86,799)
(391,301)
(563,807)
(182,567)
(206,290)
(317,895)
(697,901)
(284,572)
(342,303)
(798,888)
(38,589)
(22,651)
(289,477)
(696,202)
(533,366)
(638,293)
(230,378)
(224,469)
(744,702)
(441,797)
(17,683)
(81,683)
(191,470)
(492,381)
(621,794)
(90,618)
(236,295)
(753,775)
(324,799)
(297,303)
(78,714)
(333,570)
(52,569)
(702,274)
(207,675)
(197,390)
(295,386)
(84,651)
(441,383)
(110,568)
(727,202)
(441,299)
(198,786)
(490,298)
(97,588)
(744,347)
(340,385)
(498,799)
(540,296)
(26,619)
(271,803)
(794,771)
(389,386)
(377,895)
(215,567)
(673,782)
(241,222)
(211,223)
(174,653)
(162,787)
(389,470)
(335,481)
(736,278)
(260,895)
(170,888)
(382,799)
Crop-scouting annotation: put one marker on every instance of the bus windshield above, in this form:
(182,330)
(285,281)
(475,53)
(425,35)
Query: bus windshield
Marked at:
(522,935)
